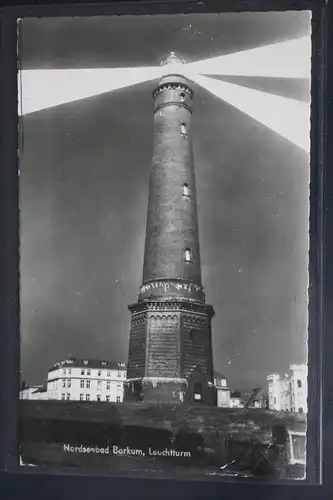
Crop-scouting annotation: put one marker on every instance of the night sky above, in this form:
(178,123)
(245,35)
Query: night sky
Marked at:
(84,173)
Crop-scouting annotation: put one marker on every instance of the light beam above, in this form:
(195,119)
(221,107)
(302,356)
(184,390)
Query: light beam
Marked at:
(42,89)
(287,117)
(290,59)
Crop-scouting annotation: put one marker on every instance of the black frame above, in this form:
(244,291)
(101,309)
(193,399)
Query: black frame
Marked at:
(320,416)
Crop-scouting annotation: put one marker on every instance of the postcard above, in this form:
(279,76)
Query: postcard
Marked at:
(164,171)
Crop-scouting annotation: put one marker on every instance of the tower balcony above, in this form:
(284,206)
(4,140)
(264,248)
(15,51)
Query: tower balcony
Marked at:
(171,289)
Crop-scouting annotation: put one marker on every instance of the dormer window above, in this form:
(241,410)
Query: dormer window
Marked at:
(183,128)
(185,190)
(187,255)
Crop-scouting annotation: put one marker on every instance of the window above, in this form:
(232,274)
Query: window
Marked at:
(88,384)
(87,397)
(68,396)
(299,383)
(182,96)
(188,255)
(107,399)
(118,388)
(99,384)
(275,401)
(98,397)
(81,397)
(300,409)
(69,383)
(183,128)
(62,396)
(118,399)
(119,374)
(69,371)
(88,372)
(64,371)
(109,373)
(223,382)
(99,373)
(108,385)
(81,383)
(64,383)
(82,372)
(185,189)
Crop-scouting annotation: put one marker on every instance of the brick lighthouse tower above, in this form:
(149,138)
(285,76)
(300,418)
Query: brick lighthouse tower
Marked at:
(170,350)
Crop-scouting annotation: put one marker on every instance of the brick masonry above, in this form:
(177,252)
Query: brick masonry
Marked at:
(170,352)
(172,222)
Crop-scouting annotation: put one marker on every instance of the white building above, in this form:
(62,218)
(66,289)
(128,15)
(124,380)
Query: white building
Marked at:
(289,393)
(236,400)
(222,390)
(87,380)
(299,388)
(33,392)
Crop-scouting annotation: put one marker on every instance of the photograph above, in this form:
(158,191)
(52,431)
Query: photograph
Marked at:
(164,185)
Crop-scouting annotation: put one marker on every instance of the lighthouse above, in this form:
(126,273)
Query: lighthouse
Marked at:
(170,349)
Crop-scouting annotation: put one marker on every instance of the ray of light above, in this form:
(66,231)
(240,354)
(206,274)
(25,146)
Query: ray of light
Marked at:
(290,59)
(287,117)
(42,89)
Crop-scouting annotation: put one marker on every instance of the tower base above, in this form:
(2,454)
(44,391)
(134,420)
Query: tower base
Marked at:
(170,353)
(170,390)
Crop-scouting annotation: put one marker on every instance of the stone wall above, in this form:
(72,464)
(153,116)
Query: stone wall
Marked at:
(163,345)
(137,346)
(195,344)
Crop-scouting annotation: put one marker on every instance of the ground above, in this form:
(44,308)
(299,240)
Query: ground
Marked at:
(217,441)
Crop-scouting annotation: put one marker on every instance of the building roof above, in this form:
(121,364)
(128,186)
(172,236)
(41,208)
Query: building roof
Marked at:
(89,363)
(40,389)
(172,58)
(34,388)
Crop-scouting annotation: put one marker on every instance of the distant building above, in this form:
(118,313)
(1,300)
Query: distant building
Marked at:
(299,388)
(87,380)
(33,392)
(255,399)
(289,393)
(222,390)
(236,400)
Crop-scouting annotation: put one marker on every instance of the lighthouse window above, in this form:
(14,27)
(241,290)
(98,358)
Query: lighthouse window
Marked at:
(188,255)
(185,190)
(183,128)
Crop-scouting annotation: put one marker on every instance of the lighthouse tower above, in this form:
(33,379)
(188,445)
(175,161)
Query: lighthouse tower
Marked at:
(170,350)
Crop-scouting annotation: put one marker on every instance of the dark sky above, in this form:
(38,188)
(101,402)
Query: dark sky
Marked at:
(84,174)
